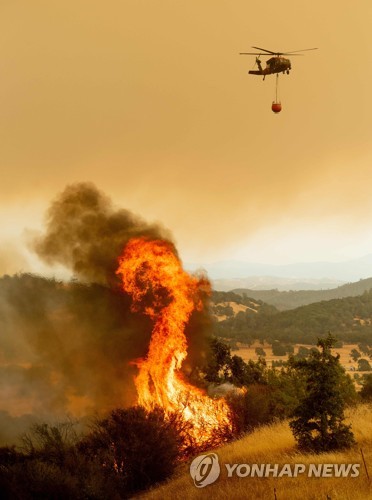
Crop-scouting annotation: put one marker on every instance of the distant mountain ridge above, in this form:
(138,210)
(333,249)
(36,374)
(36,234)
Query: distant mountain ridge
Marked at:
(346,271)
(284,300)
(275,282)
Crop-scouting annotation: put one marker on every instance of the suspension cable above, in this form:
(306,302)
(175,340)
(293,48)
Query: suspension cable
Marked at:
(276,88)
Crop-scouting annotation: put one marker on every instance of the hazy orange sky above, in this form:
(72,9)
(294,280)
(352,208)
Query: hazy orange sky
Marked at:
(152,102)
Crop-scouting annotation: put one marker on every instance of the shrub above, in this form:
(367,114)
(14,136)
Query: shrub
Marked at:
(251,408)
(126,452)
(137,448)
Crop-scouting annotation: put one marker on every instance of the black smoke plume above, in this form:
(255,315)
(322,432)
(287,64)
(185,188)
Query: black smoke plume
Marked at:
(85,233)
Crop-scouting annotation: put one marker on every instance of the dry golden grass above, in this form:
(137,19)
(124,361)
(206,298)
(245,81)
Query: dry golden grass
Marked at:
(249,352)
(275,444)
(351,367)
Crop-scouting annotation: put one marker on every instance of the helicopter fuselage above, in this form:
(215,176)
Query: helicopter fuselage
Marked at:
(276,64)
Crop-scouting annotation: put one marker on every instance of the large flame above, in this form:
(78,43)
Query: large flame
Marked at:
(152,273)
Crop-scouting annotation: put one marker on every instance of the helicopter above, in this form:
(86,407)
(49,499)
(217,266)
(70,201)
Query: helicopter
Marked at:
(276,64)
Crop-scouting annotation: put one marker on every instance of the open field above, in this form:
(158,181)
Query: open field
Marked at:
(274,444)
(248,352)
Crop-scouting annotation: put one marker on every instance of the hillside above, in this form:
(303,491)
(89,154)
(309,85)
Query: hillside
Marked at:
(275,445)
(293,299)
(226,305)
(350,319)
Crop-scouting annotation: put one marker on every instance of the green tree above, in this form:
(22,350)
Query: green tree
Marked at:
(303,352)
(354,354)
(366,391)
(243,374)
(288,387)
(363,365)
(364,349)
(279,350)
(218,368)
(260,351)
(222,367)
(289,348)
(318,421)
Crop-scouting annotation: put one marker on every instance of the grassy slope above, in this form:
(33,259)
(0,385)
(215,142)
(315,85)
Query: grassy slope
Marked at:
(275,444)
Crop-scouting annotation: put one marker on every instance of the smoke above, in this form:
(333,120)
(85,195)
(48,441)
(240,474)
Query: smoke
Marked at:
(68,348)
(10,259)
(85,233)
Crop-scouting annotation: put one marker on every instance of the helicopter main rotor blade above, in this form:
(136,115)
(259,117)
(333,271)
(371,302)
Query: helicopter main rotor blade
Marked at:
(294,51)
(265,50)
(266,55)
(270,52)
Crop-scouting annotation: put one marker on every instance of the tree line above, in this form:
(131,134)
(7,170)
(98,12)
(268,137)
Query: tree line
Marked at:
(350,317)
